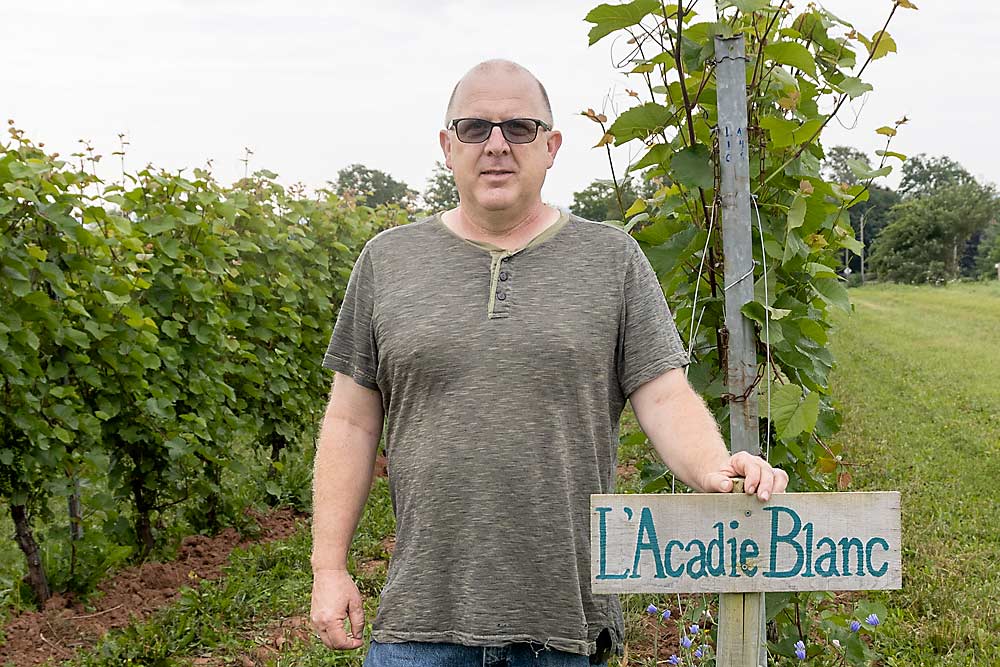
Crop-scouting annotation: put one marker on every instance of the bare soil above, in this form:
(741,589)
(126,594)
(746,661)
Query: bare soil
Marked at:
(627,471)
(66,625)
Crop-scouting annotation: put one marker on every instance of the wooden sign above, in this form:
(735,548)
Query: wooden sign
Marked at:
(734,543)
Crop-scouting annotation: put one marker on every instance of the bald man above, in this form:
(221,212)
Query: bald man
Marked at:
(495,345)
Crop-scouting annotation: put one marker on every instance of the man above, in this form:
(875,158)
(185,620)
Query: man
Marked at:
(500,341)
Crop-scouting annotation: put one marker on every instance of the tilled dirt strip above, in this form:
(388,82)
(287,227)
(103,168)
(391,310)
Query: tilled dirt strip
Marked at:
(64,626)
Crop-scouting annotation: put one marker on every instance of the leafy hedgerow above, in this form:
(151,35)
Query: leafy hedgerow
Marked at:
(145,328)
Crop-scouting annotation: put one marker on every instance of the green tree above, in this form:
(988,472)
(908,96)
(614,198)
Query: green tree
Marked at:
(928,234)
(988,255)
(441,193)
(923,175)
(599,201)
(926,176)
(869,218)
(913,248)
(374,187)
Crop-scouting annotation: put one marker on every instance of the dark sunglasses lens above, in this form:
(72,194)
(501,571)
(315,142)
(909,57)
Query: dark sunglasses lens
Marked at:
(472,130)
(519,130)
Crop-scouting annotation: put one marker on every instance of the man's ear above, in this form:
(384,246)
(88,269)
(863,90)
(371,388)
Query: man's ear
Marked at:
(444,137)
(552,144)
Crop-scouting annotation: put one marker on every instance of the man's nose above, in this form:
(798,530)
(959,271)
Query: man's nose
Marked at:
(496,143)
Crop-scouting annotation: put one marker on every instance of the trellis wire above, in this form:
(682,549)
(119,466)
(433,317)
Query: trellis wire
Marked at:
(767,331)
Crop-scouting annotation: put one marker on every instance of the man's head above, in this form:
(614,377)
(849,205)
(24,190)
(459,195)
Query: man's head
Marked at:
(497,174)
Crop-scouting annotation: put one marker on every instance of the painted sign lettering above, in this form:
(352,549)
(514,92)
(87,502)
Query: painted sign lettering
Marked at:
(734,543)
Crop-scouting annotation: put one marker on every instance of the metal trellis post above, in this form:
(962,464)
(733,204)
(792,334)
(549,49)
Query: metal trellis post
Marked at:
(741,640)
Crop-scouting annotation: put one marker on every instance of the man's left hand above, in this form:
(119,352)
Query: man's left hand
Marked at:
(759,477)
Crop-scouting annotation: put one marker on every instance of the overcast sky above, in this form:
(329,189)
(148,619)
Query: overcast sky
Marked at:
(312,86)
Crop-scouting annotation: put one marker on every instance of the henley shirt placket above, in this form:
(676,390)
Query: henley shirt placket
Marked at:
(502,272)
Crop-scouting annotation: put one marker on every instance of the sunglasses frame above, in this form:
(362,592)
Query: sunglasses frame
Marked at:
(453,125)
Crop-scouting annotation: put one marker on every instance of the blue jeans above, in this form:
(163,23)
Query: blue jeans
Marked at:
(423,654)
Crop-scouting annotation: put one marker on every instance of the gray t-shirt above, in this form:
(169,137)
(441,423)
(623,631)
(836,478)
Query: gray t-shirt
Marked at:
(503,377)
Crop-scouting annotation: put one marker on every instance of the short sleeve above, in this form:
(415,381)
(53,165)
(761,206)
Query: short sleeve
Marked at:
(648,343)
(352,350)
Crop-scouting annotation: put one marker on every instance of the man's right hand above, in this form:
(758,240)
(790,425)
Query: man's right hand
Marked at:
(335,597)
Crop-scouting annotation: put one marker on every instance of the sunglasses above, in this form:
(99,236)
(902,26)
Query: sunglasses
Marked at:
(515,130)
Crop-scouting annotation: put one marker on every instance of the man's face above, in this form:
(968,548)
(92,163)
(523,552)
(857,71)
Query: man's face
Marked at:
(496,175)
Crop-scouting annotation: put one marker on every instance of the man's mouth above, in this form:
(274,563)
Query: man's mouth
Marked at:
(496,172)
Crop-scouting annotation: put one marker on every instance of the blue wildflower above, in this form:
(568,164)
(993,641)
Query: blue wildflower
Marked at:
(674,660)
(686,642)
(698,653)
(872,620)
(800,650)
(693,629)
(666,614)
(651,609)
(855,626)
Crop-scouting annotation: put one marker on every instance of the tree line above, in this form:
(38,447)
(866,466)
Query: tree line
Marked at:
(939,224)
(374,187)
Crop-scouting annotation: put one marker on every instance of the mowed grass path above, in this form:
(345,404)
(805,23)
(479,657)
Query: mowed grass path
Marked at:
(918,381)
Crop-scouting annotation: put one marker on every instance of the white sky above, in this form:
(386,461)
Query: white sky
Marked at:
(314,86)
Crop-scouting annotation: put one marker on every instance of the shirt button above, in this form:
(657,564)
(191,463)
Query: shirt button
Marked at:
(501,296)
(503,275)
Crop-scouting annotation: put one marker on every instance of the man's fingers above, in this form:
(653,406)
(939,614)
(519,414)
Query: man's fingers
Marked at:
(324,636)
(335,601)
(333,635)
(780,480)
(759,478)
(338,637)
(766,484)
(751,474)
(356,610)
(717,482)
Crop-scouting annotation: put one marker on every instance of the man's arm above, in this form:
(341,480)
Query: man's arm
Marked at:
(342,476)
(685,435)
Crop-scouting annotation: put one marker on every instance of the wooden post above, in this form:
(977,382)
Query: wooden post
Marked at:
(741,624)
(741,640)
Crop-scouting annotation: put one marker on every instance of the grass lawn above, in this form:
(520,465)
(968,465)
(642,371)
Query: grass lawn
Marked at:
(918,380)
